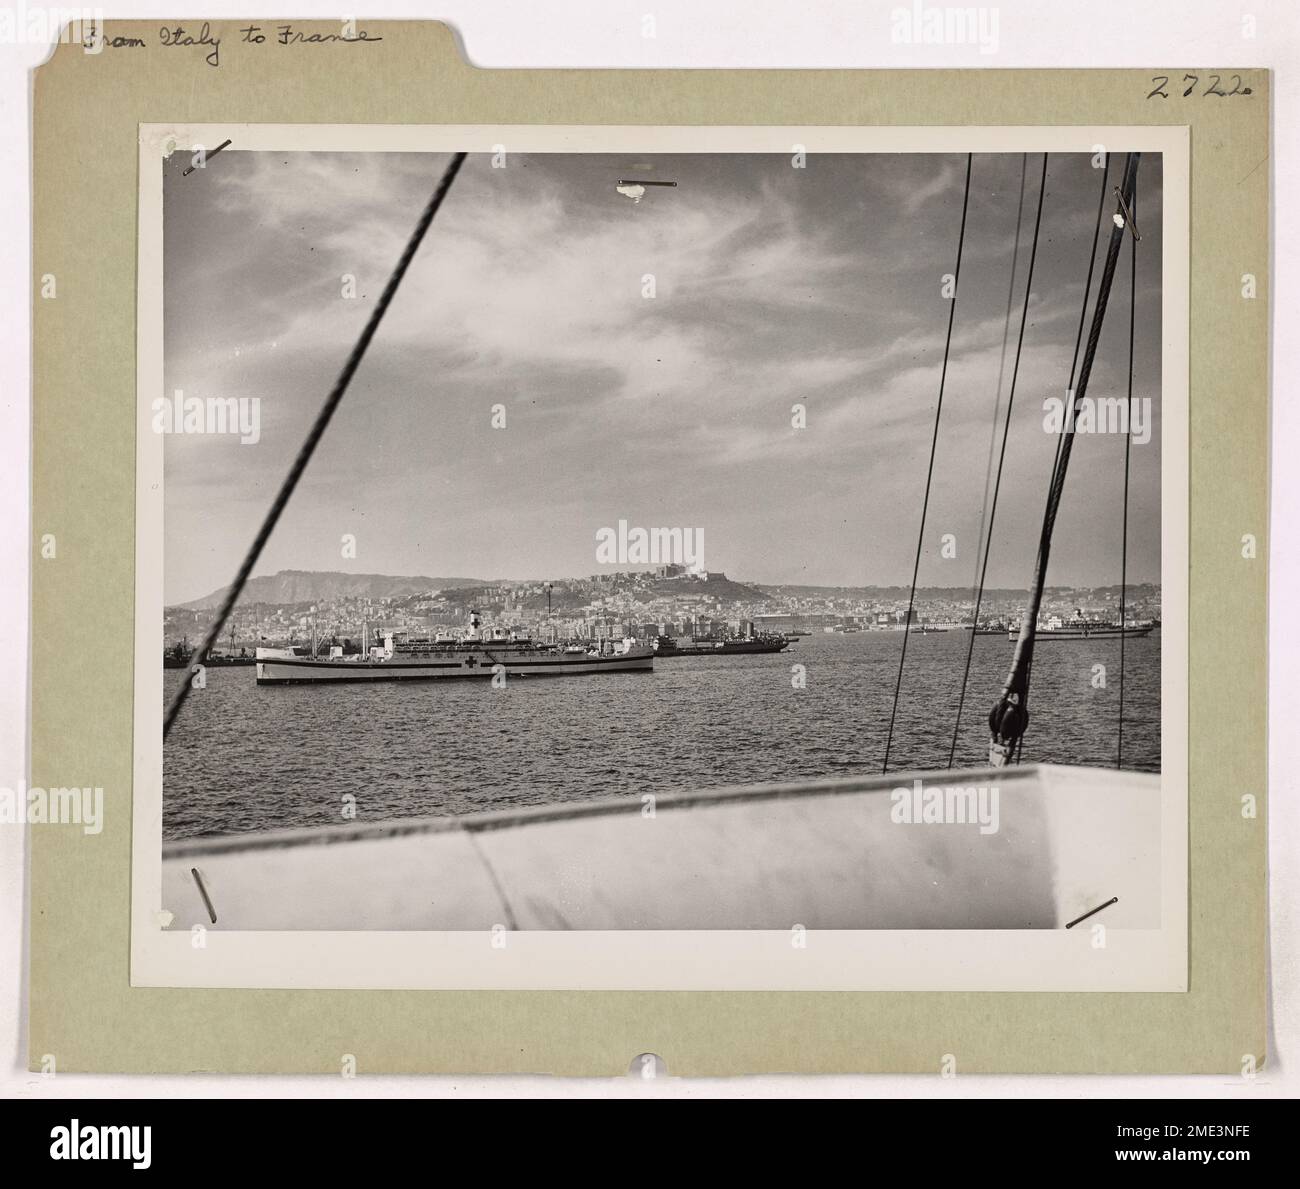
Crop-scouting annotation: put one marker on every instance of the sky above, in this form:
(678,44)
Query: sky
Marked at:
(773,286)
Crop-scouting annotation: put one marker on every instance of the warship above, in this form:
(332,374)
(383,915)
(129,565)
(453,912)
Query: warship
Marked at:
(714,646)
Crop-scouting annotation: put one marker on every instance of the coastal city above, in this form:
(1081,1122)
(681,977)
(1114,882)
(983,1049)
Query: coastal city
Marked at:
(335,609)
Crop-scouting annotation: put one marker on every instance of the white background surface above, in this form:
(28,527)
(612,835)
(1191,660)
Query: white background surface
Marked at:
(807,34)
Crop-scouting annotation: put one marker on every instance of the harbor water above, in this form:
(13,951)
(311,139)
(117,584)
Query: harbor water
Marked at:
(243,758)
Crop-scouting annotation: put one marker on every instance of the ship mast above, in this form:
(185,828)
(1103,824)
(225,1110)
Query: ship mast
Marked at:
(1010,714)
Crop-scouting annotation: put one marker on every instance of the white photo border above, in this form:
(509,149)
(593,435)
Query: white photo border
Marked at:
(867,960)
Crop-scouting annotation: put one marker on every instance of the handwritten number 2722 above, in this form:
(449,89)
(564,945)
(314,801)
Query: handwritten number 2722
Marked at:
(1192,80)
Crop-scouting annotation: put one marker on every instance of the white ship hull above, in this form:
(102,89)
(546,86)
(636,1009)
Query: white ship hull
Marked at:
(1082,633)
(1071,844)
(482,663)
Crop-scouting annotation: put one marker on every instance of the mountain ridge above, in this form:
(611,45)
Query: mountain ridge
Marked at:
(311,586)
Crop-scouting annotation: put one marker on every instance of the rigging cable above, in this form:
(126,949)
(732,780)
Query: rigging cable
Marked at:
(317,430)
(1002,366)
(1002,454)
(1078,337)
(1010,716)
(1087,292)
(1128,449)
(929,475)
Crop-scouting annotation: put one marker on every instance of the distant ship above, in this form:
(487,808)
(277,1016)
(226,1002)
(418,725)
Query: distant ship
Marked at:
(178,656)
(709,646)
(1079,627)
(996,627)
(474,654)
(181,656)
(228,660)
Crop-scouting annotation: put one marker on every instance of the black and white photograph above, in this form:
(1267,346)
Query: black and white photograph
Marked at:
(660,541)
(644,552)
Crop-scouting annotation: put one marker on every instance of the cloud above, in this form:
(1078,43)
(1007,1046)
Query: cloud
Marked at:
(635,347)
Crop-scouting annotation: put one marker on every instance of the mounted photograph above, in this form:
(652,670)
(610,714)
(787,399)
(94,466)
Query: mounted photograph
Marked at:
(661,558)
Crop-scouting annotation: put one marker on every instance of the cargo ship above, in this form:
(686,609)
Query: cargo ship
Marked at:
(709,646)
(474,654)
